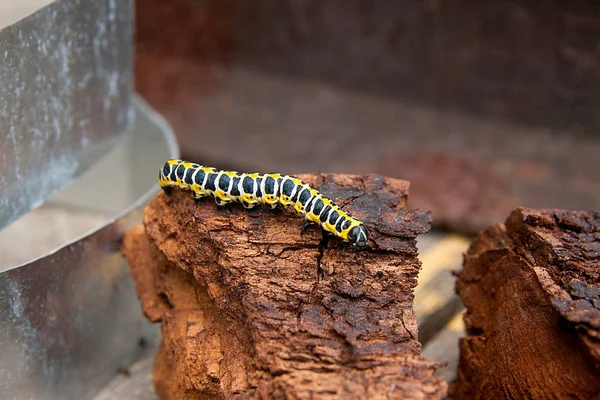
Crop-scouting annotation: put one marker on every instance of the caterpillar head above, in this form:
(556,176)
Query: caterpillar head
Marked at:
(358,236)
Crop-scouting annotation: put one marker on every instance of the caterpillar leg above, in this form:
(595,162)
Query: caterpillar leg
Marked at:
(197,197)
(167,189)
(325,240)
(306,225)
(221,202)
(248,205)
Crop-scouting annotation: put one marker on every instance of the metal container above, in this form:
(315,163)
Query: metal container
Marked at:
(65,93)
(78,160)
(69,317)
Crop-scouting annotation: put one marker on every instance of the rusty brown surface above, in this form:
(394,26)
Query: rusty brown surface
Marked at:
(251,309)
(431,92)
(469,172)
(532,290)
(535,62)
(464,194)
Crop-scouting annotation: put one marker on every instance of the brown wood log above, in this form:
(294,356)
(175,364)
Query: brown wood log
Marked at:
(252,310)
(532,290)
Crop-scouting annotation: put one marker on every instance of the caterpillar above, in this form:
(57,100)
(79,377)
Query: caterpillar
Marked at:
(269,189)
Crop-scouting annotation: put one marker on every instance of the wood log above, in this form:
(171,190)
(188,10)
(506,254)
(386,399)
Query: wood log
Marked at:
(532,291)
(250,309)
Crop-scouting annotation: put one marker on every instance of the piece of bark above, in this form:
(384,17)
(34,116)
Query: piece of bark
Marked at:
(251,309)
(532,290)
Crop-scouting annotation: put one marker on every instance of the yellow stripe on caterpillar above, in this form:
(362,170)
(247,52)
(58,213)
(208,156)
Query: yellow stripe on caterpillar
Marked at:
(270,189)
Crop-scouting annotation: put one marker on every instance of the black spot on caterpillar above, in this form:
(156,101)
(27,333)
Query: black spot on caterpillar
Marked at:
(270,189)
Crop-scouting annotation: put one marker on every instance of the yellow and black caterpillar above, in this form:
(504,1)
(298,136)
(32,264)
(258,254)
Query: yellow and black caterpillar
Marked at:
(270,189)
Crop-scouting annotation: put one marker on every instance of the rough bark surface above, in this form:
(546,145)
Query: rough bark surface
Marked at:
(532,290)
(251,309)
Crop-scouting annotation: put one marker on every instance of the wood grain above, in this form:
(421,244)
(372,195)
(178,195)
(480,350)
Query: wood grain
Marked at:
(532,288)
(251,309)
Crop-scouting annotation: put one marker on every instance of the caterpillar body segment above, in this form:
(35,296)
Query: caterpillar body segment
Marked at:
(268,189)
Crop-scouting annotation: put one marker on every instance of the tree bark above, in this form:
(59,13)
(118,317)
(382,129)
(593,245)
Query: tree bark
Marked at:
(252,310)
(532,290)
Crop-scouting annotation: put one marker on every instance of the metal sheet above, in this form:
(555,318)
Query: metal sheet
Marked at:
(70,320)
(65,96)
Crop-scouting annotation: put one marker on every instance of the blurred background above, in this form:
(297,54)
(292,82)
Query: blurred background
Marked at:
(482,105)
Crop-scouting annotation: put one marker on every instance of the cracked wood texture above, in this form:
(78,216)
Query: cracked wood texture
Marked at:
(252,310)
(532,290)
